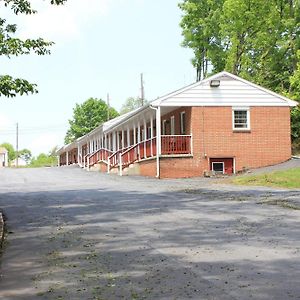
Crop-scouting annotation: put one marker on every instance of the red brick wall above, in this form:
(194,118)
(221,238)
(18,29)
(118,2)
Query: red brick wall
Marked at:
(103,167)
(267,142)
(178,167)
(148,168)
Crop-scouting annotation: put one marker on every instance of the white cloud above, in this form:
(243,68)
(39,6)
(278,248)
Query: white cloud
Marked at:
(61,22)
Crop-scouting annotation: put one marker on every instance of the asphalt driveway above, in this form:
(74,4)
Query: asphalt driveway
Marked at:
(74,234)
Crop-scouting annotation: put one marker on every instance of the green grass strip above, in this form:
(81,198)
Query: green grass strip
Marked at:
(284,179)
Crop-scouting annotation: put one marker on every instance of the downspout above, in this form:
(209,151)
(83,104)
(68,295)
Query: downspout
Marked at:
(158,142)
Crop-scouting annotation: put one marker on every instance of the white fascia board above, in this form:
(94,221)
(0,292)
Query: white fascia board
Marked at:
(209,104)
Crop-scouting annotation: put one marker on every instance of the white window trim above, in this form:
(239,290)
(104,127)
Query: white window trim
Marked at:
(218,162)
(181,123)
(172,129)
(247,109)
(164,127)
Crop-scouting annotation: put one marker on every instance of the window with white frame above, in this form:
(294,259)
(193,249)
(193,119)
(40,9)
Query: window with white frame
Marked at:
(182,123)
(164,127)
(241,118)
(218,167)
(172,125)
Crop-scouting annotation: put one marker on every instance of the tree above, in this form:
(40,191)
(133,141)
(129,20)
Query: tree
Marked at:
(130,104)
(255,39)
(201,31)
(43,160)
(87,116)
(14,46)
(25,154)
(11,151)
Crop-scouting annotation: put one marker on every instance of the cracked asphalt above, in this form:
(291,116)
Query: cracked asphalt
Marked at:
(73,234)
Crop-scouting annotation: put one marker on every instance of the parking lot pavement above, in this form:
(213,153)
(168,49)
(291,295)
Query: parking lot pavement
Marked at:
(74,234)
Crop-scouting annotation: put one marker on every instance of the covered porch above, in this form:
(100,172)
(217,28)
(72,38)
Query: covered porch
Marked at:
(147,134)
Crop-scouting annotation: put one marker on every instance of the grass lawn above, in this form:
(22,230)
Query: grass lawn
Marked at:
(285,179)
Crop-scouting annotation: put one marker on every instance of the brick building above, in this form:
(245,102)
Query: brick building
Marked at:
(222,124)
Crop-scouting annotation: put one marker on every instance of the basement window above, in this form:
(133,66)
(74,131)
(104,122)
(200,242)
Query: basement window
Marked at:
(241,118)
(218,167)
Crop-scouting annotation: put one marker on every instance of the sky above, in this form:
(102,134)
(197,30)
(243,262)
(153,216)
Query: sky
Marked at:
(101,46)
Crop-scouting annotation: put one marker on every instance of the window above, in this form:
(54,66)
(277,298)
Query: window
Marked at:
(182,123)
(149,132)
(241,119)
(164,127)
(172,125)
(218,167)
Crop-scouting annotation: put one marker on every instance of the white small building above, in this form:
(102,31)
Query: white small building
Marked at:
(3,157)
(21,162)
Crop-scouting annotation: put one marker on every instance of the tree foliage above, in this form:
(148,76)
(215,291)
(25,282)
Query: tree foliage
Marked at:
(10,45)
(87,116)
(43,160)
(130,104)
(25,154)
(256,39)
(202,33)
(11,151)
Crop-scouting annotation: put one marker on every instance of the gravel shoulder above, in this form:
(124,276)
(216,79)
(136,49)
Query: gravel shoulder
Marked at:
(81,235)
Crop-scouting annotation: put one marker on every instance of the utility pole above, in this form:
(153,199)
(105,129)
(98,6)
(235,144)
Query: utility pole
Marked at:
(17,144)
(142,90)
(108,107)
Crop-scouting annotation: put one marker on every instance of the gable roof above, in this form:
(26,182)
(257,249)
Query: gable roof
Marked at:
(233,91)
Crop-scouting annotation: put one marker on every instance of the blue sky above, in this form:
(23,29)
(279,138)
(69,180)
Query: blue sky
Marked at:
(101,47)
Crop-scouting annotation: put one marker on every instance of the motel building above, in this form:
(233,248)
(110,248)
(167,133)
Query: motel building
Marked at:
(223,124)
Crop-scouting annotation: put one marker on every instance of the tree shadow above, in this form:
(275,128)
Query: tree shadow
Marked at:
(101,243)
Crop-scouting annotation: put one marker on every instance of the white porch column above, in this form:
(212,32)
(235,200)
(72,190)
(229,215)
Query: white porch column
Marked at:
(145,130)
(67,158)
(128,136)
(151,133)
(145,137)
(78,153)
(134,134)
(158,140)
(118,140)
(58,160)
(109,142)
(123,142)
(139,132)
(114,141)
(158,131)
